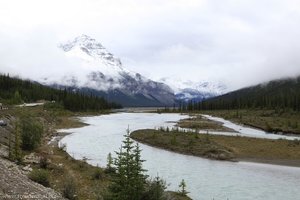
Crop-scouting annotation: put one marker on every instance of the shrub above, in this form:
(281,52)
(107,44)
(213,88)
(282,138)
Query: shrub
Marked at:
(98,174)
(155,190)
(53,106)
(173,140)
(268,127)
(69,188)
(16,99)
(15,151)
(40,176)
(62,147)
(293,143)
(44,162)
(31,133)
(82,163)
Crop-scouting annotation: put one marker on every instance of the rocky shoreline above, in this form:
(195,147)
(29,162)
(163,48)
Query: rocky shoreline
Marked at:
(14,183)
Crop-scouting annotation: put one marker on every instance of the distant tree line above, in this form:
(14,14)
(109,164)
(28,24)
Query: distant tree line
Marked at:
(278,94)
(14,91)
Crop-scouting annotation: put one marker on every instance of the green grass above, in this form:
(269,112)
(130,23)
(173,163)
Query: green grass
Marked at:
(269,120)
(79,175)
(177,196)
(186,143)
(220,147)
(198,122)
(283,121)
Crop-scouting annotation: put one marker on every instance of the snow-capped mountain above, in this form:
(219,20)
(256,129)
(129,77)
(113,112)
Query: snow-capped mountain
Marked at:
(98,71)
(189,90)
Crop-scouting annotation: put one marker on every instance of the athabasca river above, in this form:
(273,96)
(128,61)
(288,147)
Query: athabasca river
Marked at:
(206,179)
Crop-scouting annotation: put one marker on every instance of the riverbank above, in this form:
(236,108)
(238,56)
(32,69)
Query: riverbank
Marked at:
(209,176)
(273,121)
(198,122)
(74,179)
(280,121)
(219,147)
(91,182)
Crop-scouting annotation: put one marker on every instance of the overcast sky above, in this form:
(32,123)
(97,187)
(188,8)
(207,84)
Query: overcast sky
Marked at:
(238,42)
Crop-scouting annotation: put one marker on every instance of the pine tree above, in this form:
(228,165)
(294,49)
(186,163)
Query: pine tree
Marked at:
(182,187)
(109,165)
(109,161)
(129,181)
(138,173)
(10,149)
(17,98)
(17,147)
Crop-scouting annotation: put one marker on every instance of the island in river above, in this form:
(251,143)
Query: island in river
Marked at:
(220,147)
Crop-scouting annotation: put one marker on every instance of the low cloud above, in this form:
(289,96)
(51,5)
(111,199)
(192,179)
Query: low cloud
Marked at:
(237,42)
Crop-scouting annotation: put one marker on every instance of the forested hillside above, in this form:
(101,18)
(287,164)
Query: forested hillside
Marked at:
(277,94)
(15,91)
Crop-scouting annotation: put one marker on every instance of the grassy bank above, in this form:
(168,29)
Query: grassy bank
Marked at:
(280,121)
(198,122)
(74,177)
(185,143)
(52,166)
(281,152)
(277,121)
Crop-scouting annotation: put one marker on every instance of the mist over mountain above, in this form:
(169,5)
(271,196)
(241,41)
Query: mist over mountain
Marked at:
(85,65)
(101,73)
(276,94)
(186,90)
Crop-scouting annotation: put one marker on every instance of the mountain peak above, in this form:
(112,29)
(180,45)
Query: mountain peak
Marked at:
(87,45)
(84,37)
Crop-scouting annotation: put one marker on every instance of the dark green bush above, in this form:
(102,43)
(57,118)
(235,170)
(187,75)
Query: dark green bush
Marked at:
(40,176)
(31,133)
(53,106)
(98,174)
(69,188)
(155,190)
(44,162)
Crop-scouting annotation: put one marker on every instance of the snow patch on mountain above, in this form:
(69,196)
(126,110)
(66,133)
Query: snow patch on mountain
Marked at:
(190,90)
(90,49)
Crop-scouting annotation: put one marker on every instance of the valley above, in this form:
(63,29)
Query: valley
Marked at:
(254,155)
(80,130)
(149,100)
(98,72)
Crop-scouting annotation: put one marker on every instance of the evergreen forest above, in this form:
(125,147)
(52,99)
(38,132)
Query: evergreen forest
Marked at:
(14,90)
(277,94)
